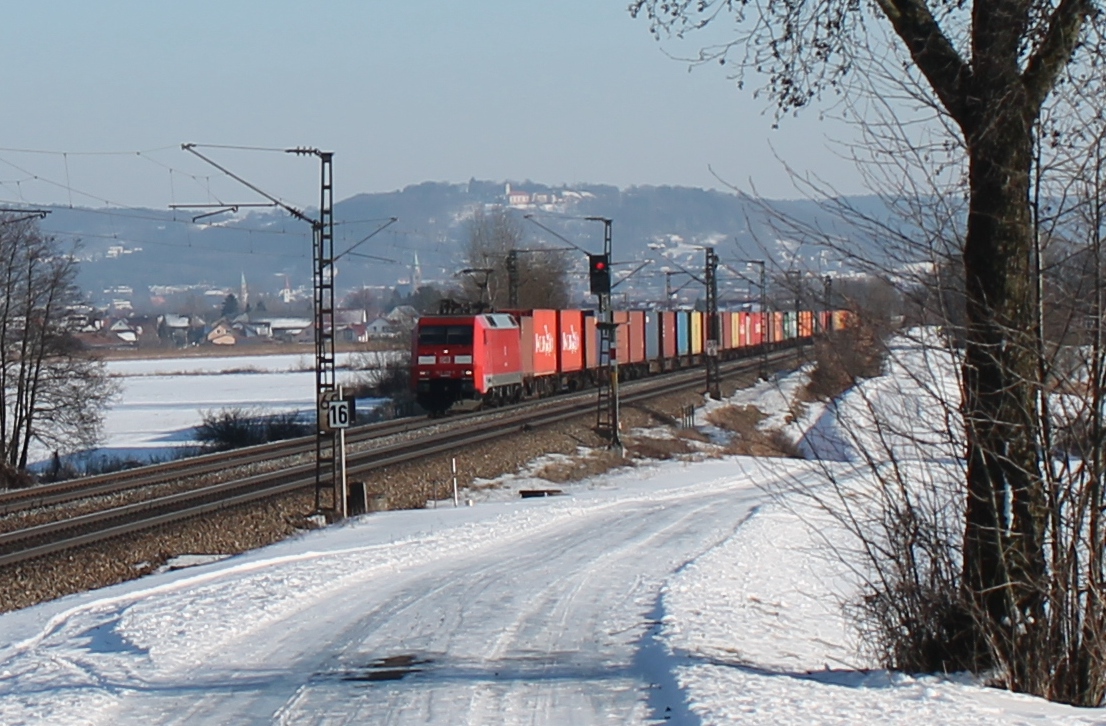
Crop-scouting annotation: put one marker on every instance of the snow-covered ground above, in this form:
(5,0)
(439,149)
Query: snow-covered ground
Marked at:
(677,592)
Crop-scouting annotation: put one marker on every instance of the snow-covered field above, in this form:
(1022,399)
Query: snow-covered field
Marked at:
(676,592)
(163,400)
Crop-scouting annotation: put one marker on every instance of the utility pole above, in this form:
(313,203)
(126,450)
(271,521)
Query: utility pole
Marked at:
(327,474)
(827,291)
(326,388)
(599,271)
(798,279)
(766,322)
(714,377)
(512,278)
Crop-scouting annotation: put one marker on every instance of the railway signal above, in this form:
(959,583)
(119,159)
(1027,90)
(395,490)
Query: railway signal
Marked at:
(599,273)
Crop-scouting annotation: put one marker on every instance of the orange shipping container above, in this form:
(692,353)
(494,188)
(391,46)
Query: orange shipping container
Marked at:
(806,324)
(777,327)
(622,320)
(725,321)
(591,341)
(668,334)
(636,335)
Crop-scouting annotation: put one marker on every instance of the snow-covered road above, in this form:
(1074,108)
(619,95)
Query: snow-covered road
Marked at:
(543,613)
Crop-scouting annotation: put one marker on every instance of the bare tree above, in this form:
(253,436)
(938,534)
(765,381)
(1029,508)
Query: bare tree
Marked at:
(988,72)
(498,256)
(54,392)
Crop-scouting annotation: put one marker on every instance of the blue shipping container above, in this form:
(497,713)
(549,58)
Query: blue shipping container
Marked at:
(683,332)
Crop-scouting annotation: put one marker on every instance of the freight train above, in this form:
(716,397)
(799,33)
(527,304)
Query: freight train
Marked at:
(503,357)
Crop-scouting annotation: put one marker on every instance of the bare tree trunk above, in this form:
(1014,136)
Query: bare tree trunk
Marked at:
(1004,561)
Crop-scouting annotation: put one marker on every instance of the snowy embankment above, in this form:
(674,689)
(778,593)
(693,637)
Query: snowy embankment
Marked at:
(678,592)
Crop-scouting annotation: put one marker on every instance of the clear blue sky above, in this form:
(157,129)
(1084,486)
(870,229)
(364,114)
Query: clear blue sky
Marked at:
(402,91)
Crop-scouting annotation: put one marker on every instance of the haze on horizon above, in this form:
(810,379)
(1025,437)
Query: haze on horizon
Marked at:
(403,91)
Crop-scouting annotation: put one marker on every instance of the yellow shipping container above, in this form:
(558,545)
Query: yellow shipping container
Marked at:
(696,332)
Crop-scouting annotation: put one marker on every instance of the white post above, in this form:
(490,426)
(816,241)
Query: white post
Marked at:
(343,507)
(456,500)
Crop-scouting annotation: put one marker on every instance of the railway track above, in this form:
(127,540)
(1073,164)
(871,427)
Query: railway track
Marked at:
(368,453)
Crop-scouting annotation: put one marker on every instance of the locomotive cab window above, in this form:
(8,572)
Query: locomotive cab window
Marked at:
(445,335)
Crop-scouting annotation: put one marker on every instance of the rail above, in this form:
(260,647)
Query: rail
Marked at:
(28,543)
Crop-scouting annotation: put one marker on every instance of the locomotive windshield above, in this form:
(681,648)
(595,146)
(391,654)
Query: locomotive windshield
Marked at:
(445,335)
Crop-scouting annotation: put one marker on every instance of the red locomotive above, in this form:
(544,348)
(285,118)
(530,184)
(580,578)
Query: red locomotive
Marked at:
(502,357)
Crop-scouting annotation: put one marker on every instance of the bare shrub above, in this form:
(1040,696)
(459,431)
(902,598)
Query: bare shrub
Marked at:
(234,428)
(13,478)
(663,449)
(738,419)
(749,439)
(385,374)
(843,358)
(577,468)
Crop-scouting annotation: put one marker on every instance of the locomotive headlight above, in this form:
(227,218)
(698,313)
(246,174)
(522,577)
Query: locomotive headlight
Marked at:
(468,373)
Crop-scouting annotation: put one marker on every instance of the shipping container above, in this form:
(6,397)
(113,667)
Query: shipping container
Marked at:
(725,322)
(669,346)
(539,342)
(775,319)
(683,332)
(636,352)
(591,341)
(806,324)
(754,329)
(622,320)
(696,332)
(570,330)
(652,336)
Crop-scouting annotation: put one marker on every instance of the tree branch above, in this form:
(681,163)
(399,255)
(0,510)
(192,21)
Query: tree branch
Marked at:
(933,53)
(1055,50)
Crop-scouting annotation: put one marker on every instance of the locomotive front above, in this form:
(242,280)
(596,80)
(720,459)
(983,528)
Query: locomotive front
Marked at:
(441,370)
